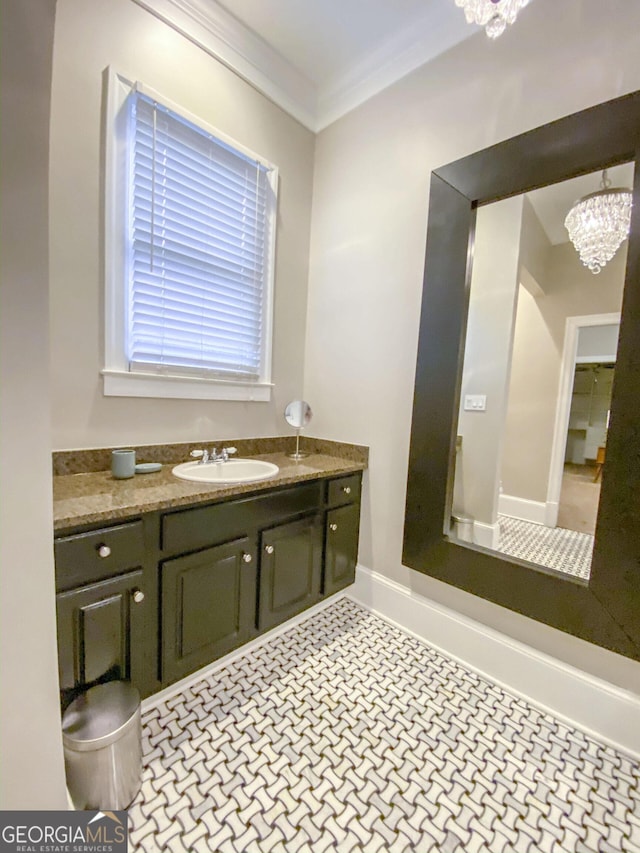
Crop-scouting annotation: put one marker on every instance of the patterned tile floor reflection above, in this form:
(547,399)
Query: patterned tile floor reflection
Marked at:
(344,734)
(567,551)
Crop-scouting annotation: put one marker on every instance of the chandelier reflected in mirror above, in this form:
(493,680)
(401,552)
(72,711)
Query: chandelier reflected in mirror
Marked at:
(493,15)
(599,223)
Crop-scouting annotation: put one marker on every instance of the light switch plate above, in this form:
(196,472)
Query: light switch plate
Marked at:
(475,403)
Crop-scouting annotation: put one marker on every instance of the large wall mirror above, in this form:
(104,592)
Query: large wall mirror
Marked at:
(524,469)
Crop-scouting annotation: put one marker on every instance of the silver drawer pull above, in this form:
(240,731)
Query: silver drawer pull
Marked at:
(333,527)
(138,596)
(103,551)
(268,549)
(247,558)
(346,490)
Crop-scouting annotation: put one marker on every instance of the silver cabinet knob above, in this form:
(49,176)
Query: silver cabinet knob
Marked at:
(247,558)
(103,550)
(138,596)
(268,549)
(333,527)
(346,490)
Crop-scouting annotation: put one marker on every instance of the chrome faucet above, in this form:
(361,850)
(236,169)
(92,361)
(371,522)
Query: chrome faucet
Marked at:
(223,456)
(205,456)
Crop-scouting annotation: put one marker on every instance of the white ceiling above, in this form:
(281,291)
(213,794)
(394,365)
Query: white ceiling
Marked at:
(327,39)
(318,59)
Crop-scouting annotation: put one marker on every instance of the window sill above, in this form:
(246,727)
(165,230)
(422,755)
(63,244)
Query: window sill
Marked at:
(120,383)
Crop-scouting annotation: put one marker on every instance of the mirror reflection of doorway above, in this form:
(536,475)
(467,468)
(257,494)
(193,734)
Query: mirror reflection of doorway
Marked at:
(586,446)
(528,462)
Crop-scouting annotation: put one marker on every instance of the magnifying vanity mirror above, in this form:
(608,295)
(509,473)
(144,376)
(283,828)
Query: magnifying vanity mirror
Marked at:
(298,414)
(524,470)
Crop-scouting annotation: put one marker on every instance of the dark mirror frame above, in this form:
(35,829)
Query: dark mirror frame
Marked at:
(606,609)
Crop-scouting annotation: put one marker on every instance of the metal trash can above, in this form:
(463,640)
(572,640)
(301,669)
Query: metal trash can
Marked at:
(102,740)
(463,527)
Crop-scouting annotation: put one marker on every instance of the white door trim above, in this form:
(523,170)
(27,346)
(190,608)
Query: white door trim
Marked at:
(563,408)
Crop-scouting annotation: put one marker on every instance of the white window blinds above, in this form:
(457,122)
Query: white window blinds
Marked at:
(200,236)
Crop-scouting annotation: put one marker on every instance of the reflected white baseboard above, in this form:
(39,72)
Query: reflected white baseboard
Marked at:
(598,708)
(553,508)
(487,535)
(538,512)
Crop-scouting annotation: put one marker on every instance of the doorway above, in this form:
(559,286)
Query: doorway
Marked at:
(579,445)
(586,443)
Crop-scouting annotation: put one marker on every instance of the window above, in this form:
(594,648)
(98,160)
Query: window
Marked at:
(189,250)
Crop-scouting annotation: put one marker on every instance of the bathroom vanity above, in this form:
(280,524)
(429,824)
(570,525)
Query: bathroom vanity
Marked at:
(153,595)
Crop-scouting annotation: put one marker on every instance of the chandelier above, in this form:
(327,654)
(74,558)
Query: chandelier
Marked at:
(599,223)
(493,15)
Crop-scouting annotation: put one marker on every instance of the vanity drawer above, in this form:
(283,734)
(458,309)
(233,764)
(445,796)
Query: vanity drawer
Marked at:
(344,490)
(87,557)
(203,527)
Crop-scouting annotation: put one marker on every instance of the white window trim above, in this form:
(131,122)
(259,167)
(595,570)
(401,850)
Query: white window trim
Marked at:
(118,379)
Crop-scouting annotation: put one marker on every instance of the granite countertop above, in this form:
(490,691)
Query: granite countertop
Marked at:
(96,497)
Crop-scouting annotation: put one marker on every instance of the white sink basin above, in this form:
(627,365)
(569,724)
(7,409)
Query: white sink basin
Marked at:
(226,473)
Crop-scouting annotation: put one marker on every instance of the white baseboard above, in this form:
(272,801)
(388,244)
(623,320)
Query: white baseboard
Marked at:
(602,710)
(538,512)
(487,535)
(551,518)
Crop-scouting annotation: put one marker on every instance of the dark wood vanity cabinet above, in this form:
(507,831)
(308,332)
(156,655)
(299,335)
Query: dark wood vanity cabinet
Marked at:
(100,633)
(290,570)
(207,605)
(154,599)
(101,623)
(341,548)
(342,526)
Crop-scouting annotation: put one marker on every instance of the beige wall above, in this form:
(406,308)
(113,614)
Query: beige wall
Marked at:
(534,249)
(531,408)
(533,393)
(570,290)
(90,36)
(31,769)
(367,249)
(487,359)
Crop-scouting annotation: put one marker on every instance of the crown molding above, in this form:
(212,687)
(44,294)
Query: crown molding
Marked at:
(214,30)
(206,24)
(439,29)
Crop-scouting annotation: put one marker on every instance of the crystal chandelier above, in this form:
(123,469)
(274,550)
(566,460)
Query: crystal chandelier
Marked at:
(598,224)
(493,15)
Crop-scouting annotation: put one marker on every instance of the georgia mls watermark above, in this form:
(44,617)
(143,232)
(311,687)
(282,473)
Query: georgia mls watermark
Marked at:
(63,832)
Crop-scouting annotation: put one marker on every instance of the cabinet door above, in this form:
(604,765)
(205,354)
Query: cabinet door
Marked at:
(208,605)
(290,569)
(341,547)
(101,633)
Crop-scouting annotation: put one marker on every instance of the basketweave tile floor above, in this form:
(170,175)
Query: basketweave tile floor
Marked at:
(567,551)
(345,734)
